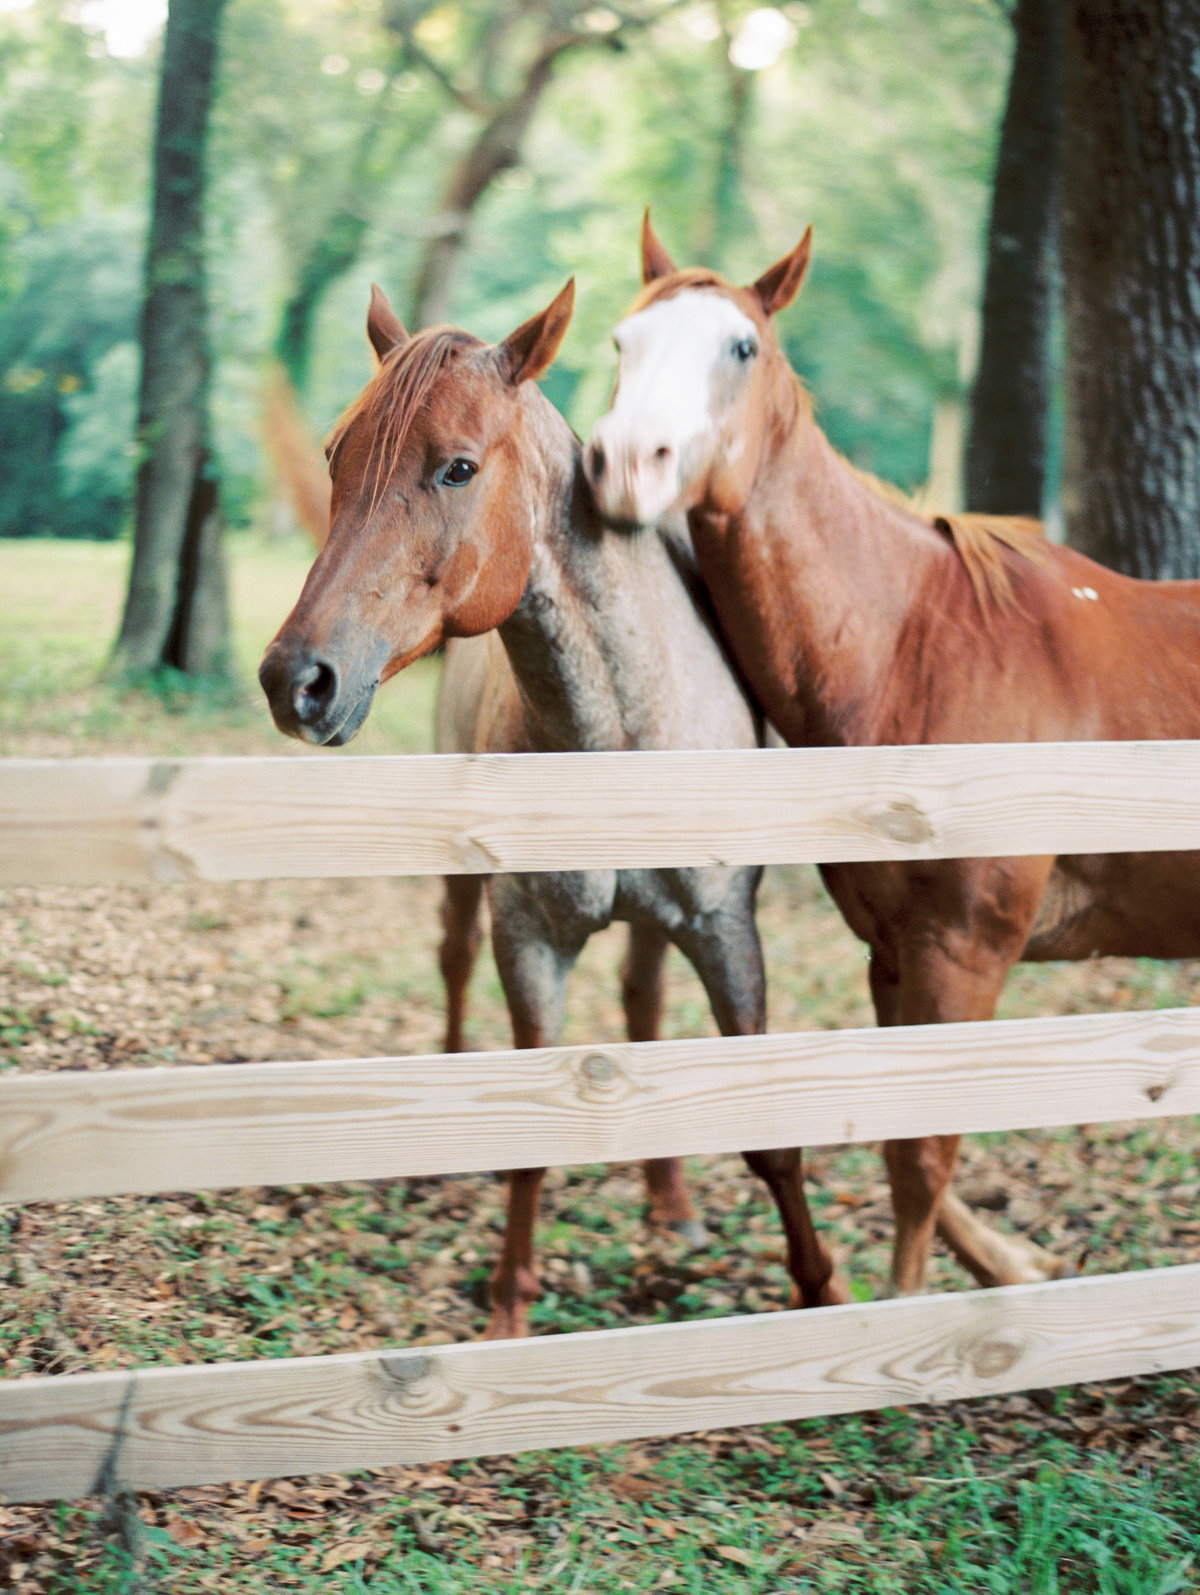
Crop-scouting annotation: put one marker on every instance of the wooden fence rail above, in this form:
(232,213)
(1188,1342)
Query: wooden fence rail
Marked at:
(98,822)
(212,1423)
(101,822)
(205,1127)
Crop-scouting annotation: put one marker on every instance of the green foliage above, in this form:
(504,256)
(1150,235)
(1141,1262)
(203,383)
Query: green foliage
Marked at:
(67,374)
(332,139)
(334,132)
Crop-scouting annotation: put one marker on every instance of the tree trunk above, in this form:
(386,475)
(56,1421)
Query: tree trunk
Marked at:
(1004,466)
(175,609)
(339,243)
(726,217)
(497,147)
(330,257)
(1131,243)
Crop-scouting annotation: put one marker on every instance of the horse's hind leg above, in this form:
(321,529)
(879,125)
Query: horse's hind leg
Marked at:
(668,1204)
(461,937)
(920,1169)
(993,1259)
(533,972)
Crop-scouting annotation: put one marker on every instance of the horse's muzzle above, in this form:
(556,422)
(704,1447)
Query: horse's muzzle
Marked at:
(311,699)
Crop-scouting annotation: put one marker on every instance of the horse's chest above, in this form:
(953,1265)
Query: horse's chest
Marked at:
(673,899)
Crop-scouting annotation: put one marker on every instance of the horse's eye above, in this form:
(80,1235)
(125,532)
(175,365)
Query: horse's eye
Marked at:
(745,349)
(458,473)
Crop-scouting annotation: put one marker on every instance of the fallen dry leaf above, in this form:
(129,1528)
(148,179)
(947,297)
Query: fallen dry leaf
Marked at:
(340,1555)
(734,1553)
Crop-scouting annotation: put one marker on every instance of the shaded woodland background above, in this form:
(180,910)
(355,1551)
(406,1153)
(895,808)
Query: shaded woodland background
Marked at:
(469,156)
(1006,201)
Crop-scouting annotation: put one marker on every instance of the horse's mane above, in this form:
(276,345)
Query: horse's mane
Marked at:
(979,541)
(391,400)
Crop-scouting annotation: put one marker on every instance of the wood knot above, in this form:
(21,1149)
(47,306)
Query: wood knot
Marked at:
(403,1369)
(601,1077)
(991,1359)
(902,821)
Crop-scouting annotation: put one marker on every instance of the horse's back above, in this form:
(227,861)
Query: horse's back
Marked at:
(1131,649)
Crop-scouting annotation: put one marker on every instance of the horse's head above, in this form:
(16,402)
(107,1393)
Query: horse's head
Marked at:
(697,361)
(431,530)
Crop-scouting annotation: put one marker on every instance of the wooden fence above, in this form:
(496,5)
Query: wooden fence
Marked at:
(65,1135)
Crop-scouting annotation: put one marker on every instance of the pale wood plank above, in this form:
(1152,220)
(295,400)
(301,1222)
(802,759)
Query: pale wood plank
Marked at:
(206,1424)
(145,1130)
(100,822)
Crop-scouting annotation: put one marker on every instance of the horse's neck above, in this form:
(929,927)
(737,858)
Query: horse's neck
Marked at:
(607,647)
(814,581)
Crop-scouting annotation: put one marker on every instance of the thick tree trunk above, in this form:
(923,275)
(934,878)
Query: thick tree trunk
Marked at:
(1004,466)
(1131,244)
(175,608)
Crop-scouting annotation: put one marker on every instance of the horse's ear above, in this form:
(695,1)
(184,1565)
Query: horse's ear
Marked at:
(384,328)
(526,353)
(655,260)
(779,285)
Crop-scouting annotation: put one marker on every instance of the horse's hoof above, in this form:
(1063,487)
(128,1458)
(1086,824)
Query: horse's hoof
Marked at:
(835,1292)
(1044,1268)
(690,1230)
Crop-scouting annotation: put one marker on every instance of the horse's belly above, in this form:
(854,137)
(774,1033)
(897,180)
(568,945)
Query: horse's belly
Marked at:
(1137,905)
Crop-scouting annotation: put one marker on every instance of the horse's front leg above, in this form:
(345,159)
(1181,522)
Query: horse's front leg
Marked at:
(668,1205)
(726,953)
(514,1283)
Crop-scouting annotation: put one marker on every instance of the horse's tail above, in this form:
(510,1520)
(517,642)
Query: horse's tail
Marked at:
(299,469)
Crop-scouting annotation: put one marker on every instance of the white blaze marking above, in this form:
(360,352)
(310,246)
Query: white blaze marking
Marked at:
(668,354)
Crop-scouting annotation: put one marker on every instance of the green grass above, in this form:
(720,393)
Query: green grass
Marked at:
(60,606)
(785,1510)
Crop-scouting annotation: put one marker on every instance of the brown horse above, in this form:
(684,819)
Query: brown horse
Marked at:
(459,505)
(858,621)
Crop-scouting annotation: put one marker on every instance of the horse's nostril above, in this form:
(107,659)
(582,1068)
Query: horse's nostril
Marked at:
(595,462)
(662,454)
(313,690)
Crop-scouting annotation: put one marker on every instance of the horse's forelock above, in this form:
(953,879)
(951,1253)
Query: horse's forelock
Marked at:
(665,287)
(390,402)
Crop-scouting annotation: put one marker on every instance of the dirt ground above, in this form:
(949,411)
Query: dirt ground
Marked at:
(126,978)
